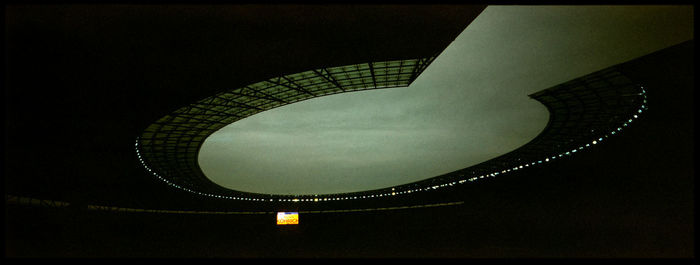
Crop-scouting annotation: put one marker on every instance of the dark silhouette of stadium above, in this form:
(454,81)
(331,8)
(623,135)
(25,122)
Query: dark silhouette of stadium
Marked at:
(107,107)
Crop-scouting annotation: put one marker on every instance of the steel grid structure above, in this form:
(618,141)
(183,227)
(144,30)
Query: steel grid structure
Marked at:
(170,146)
(583,112)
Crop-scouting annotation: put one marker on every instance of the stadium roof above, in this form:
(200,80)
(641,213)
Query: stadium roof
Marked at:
(73,113)
(84,80)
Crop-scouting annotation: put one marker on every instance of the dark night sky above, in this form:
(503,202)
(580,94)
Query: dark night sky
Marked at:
(82,82)
(469,106)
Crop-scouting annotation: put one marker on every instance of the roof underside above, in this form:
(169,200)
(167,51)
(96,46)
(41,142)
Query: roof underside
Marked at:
(96,76)
(170,146)
(583,112)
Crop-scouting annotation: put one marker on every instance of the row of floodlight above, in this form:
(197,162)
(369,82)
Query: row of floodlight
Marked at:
(408,191)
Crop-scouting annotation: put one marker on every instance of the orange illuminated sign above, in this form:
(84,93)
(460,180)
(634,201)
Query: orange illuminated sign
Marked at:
(287,218)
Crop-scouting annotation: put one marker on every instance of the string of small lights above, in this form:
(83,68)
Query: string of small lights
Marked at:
(395,192)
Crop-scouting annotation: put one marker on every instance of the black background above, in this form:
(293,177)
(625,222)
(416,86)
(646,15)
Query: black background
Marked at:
(82,82)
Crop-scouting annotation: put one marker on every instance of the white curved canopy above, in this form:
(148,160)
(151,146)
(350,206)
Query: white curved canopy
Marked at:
(470,105)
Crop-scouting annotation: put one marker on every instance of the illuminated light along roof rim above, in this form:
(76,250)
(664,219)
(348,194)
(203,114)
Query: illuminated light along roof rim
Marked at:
(394,192)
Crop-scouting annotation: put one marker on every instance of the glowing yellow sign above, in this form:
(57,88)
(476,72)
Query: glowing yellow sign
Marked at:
(287,218)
